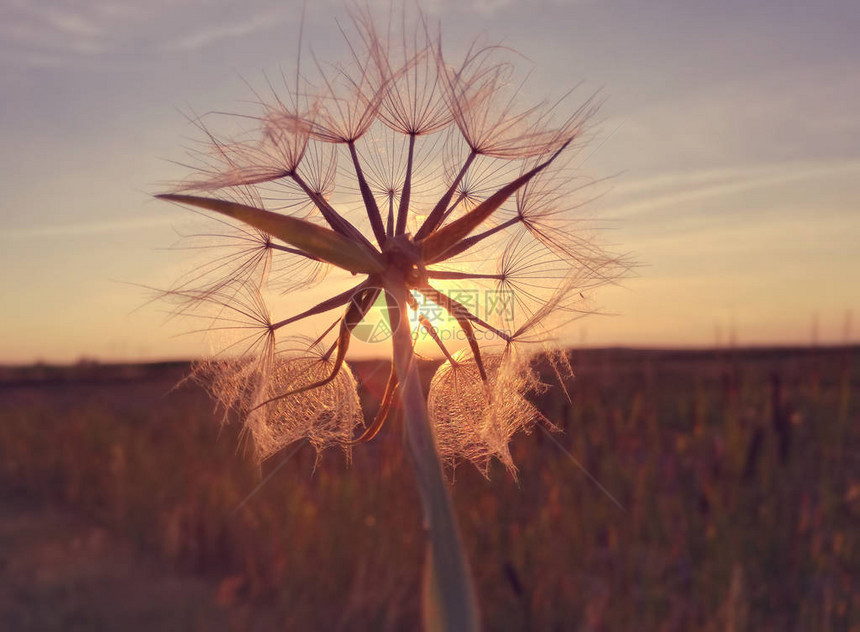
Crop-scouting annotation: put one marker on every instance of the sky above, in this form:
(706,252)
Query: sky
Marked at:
(729,134)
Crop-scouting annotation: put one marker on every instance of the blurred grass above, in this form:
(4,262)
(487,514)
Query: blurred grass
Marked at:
(739,472)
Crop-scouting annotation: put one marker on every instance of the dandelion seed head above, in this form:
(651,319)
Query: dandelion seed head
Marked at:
(474,419)
(326,415)
(405,169)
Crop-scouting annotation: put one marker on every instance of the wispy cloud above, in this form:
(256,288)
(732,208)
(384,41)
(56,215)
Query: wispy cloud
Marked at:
(209,35)
(39,30)
(666,190)
(54,34)
(71,24)
(85,229)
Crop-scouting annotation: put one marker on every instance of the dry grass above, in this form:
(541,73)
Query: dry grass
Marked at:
(739,474)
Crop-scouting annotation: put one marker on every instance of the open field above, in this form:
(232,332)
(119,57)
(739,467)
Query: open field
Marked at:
(738,471)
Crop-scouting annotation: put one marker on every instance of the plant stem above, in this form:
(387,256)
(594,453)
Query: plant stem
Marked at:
(449,596)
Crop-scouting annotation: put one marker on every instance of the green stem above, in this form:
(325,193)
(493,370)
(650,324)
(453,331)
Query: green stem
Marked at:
(449,595)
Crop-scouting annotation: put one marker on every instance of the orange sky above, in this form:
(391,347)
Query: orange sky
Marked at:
(729,136)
